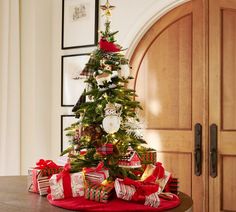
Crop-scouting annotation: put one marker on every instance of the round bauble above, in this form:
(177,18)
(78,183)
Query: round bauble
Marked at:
(111,124)
(124,72)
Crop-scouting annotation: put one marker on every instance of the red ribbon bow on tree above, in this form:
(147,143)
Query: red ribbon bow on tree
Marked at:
(143,189)
(108,46)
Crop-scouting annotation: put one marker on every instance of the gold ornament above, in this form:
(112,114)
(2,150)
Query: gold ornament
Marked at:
(107,9)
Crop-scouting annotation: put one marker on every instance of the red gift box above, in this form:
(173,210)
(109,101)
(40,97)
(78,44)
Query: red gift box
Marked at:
(38,177)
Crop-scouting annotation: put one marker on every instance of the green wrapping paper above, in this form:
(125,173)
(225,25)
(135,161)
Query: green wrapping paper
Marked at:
(149,156)
(99,193)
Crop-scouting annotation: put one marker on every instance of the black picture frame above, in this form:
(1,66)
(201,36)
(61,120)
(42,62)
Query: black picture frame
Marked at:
(69,86)
(93,28)
(63,117)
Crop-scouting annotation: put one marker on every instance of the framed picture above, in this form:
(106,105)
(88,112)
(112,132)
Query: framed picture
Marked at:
(79,23)
(72,83)
(66,121)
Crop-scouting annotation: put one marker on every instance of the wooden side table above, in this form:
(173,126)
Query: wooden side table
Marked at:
(14,197)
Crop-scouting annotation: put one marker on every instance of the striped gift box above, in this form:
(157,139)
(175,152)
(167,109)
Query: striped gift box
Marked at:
(43,185)
(99,193)
(172,185)
(38,179)
(97,177)
(149,157)
(126,192)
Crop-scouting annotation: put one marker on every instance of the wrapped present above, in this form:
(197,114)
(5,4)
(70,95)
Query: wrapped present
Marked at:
(156,173)
(149,156)
(38,177)
(99,193)
(96,175)
(138,191)
(65,185)
(172,185)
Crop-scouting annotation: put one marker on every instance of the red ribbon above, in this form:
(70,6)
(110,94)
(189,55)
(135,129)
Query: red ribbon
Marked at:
(34,179)
(41,164)
(94,169)
(49,164)
(143,189)
(66,180)
(97,169)
(158,173)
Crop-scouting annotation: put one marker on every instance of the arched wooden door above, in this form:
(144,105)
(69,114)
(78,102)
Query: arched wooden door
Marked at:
(169,66)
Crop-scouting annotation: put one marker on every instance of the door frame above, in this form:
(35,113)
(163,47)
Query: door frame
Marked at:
(138,31)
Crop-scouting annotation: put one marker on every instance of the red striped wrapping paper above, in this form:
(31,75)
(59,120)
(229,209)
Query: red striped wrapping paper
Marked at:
(126,192)
(97,177)
(38,179)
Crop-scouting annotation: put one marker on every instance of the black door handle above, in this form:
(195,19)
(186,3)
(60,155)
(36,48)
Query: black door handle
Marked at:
(198,149)
(213,150)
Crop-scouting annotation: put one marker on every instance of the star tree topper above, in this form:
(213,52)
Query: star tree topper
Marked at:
(107,9)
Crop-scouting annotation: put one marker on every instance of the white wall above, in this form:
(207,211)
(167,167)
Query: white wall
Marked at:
(41,65)
(36,79)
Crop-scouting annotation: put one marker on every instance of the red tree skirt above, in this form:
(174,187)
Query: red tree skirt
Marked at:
(114,205)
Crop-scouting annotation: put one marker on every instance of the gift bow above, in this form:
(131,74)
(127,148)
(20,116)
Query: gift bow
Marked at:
(94,169)
(143,189)
(158,173)
(65,172)
(66,180)
(42,164)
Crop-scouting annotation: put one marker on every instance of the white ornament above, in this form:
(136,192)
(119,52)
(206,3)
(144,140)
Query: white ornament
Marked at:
(124,72)
(111,124)
(101,78)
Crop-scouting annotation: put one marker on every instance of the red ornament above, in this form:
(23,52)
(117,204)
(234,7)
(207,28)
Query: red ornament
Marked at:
(83,152)
(108,46)
(106,149)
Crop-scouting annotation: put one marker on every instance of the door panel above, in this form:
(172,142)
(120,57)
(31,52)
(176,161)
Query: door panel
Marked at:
(222,101)
(228,183)
(228,69)
(168,61)
(169,71)
(174,162)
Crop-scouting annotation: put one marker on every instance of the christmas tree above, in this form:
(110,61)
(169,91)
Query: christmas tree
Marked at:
(108,125)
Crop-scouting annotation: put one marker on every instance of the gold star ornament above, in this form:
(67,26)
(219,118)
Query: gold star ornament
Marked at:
(107,9)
